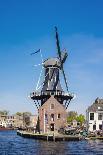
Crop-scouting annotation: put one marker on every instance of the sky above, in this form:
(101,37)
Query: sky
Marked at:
(27,25)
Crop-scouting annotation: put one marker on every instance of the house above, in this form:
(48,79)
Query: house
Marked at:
(3,122)
(94,116)
(74,123)
(10,120)
(52,116)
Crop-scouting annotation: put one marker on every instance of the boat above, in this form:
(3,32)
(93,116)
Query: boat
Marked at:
(2,128)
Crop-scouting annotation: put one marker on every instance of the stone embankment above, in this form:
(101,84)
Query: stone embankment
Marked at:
(48,137)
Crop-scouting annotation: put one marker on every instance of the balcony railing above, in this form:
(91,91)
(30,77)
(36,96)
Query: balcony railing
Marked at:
(56,93)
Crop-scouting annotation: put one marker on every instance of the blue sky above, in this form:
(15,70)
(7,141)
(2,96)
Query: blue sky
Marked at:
(26,26)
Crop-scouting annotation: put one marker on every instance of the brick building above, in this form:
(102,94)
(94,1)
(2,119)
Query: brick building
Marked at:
(52,115)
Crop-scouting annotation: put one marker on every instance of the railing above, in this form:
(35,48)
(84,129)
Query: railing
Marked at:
(56,93)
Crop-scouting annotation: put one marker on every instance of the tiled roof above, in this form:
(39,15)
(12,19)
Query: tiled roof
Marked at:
(96,106)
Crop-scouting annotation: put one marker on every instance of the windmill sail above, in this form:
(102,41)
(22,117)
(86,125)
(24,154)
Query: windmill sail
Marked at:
(62,57)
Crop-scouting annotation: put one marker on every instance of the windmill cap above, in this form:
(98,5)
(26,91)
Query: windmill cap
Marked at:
(52,62)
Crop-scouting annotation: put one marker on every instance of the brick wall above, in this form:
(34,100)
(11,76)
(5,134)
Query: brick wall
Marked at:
(52,114)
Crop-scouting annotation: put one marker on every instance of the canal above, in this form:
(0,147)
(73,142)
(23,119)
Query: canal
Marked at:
(11,144)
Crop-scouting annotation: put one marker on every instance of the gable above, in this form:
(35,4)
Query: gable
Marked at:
(52,100)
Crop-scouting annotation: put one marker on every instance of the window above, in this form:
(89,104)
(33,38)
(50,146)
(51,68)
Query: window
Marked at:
(94,127)
(52,127)
(52,117)
(99,116)
(58,116)
(100,126)
(52,106)
(91,116)
(46,118)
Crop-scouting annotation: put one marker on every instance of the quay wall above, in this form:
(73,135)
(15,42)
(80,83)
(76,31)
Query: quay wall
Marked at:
(48,137)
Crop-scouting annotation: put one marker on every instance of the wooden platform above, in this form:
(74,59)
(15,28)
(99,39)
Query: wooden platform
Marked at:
(94,138)
(47,137)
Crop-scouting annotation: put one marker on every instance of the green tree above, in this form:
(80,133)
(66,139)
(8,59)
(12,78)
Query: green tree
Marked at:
(19,113)
(4,112)
(27,113)
(71,116)
(80,119)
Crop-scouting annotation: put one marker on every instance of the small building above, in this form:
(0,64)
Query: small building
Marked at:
(18,123)
(3,122)
(10,120)
(74,123)
(33,121)
(94,116)
(52,116)
(13,121)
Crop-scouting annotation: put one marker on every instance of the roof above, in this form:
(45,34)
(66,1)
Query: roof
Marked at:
(96,106)
(54,62)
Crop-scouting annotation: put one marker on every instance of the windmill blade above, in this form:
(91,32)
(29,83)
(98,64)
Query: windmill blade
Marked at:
(65,79)
(57,43)
(59,53)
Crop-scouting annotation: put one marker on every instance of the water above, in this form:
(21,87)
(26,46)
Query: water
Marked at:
(11,144)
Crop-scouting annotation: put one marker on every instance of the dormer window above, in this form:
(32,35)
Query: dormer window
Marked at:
(52,106)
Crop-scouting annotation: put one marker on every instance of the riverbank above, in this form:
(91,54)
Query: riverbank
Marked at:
(94,138)
(3,129)
(48,137)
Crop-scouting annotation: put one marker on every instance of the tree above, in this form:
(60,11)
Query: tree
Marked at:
(27,113)
(81,119)
(19,113)
(26,118)
(4,112)
(71,116)
(38,125)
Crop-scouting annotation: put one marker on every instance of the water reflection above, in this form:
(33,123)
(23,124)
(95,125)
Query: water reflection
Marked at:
(52,148)
(11,144)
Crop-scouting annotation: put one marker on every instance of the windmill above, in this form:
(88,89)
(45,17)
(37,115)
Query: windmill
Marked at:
(51,84)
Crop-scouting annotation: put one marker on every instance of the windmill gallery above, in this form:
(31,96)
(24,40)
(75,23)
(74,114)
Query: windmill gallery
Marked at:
(51,101)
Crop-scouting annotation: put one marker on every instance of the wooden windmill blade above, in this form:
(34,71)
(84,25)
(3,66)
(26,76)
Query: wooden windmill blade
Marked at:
(62,60)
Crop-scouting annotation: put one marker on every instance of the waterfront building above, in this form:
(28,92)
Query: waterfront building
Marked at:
(18,121)
(94,116)
(3,122)
(10,121)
